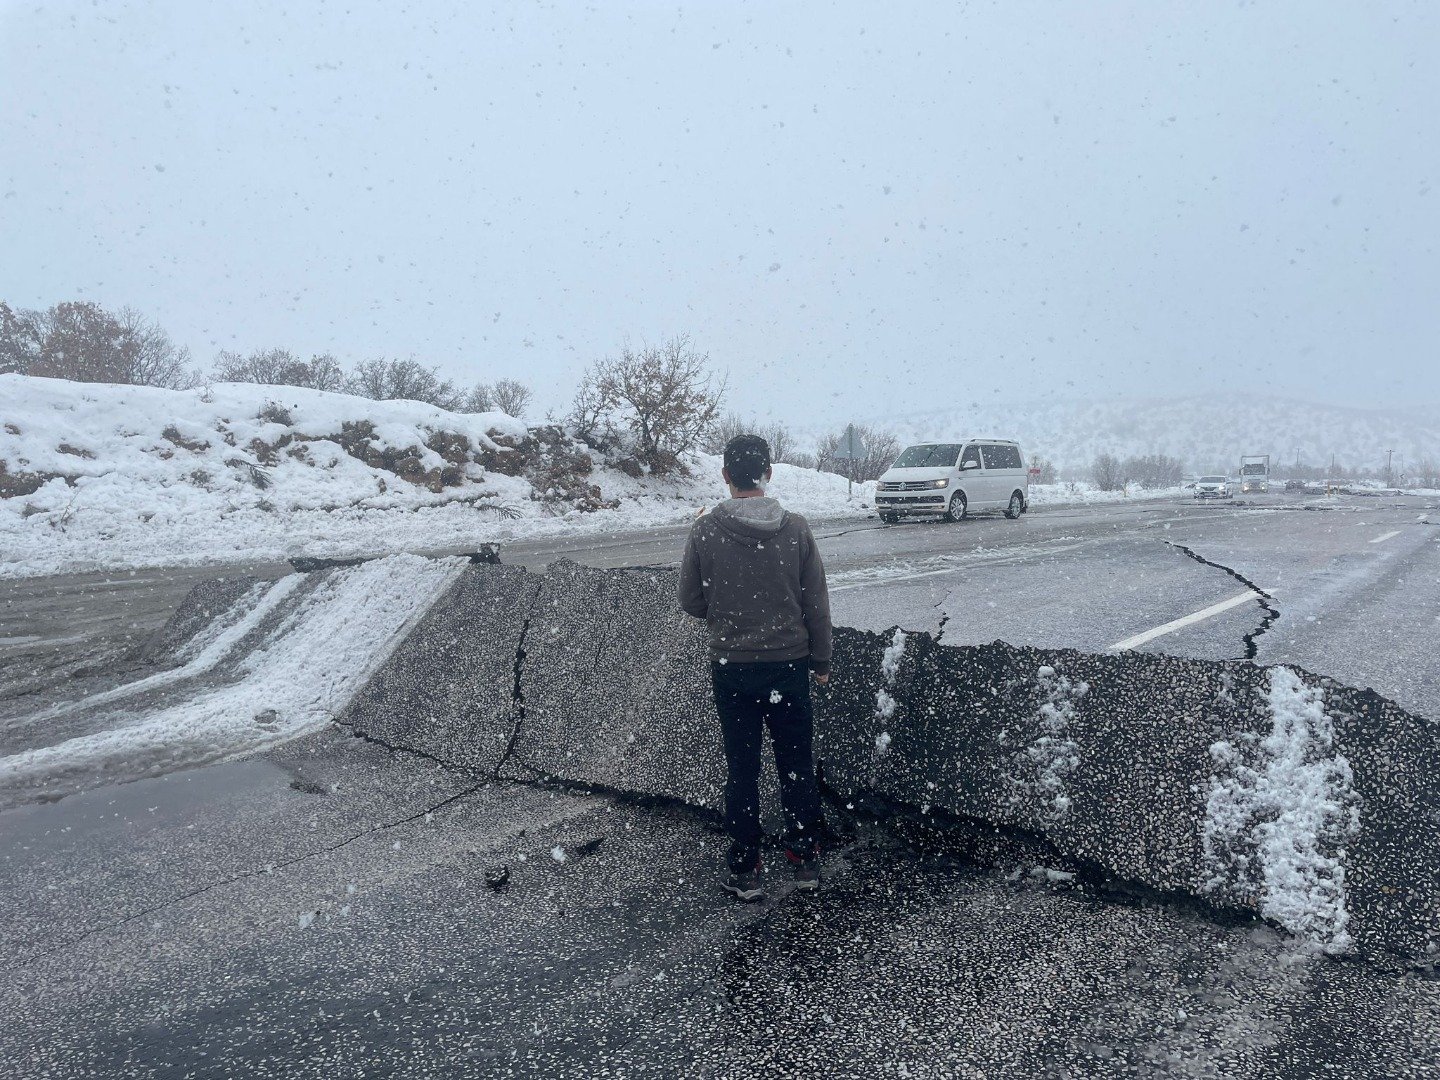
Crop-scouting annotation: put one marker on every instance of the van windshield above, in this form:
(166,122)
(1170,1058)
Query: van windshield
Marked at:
(928,455)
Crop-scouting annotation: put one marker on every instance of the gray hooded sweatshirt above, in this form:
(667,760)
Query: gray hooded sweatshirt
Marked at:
(752,571)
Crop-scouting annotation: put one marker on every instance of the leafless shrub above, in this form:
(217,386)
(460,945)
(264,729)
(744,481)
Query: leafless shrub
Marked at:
(408,380)
(511,397)
(280,367)
(1105,471)
(880,449)
(803,460)
(272,412)
(776,435)
(1153,471)
(479,398)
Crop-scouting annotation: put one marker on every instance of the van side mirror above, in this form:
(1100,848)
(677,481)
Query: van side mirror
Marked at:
(969,463)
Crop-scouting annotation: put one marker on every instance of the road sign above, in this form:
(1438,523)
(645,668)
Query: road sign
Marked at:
(850,449)
(850,445)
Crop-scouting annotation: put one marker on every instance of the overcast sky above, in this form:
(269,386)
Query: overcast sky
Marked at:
(854,209)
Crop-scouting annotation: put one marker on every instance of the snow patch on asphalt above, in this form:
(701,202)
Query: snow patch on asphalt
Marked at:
(1052,756)
(302,674)
(885,701)
(1279,816)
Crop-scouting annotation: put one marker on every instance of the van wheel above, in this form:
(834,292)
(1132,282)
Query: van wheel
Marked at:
(889,519)
(1016,507)
(956,510)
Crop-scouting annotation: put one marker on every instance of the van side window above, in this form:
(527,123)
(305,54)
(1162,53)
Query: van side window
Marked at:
(972,453)
(1002,457)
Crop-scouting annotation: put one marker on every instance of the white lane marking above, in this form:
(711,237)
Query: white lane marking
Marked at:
(1188,620)
(1385,536)
(978,559)
(872,583)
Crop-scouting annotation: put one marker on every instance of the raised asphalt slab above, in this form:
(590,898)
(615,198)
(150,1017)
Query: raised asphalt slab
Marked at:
(1356,765)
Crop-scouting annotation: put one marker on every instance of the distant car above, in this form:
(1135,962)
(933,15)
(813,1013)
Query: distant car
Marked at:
(952,479)
(1254,484)
(1212,487)
(1294,485)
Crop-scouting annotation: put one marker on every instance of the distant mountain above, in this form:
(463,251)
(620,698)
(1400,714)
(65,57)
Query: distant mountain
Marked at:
(1206,433)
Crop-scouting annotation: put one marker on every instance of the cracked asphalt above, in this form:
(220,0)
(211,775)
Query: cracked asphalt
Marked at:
(322,909)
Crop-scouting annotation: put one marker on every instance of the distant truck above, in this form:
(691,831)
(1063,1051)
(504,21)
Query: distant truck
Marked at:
(1254,473)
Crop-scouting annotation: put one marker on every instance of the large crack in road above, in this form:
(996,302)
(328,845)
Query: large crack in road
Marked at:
(1265,599)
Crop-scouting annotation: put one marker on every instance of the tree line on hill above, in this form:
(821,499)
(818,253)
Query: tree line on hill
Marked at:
(645,409)
(81,341)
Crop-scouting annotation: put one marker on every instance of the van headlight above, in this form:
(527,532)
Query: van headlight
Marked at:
(940,483)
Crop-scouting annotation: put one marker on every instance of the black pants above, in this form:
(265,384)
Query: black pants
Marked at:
(748,696)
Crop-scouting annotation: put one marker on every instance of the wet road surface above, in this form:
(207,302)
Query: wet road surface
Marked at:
(323,910)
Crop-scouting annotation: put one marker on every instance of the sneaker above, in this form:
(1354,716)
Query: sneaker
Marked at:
(807,872)
(745,886)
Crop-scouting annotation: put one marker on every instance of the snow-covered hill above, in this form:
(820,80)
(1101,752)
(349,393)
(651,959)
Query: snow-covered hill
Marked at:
(1207,433)
(101,476)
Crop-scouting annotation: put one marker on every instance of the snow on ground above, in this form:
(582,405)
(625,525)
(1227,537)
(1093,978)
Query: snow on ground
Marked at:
(1082,492)
(1281,813)
(313,654)
(137,476)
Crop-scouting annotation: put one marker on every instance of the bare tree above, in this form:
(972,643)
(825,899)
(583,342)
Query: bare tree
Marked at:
(664,400)
(1048,474)
(511,397)
(880,449)
(408,380)
(326,373)
(1105,471)
(83,342)
(724,429)
(479,398)
(154,359)
(776,435)
(590,413)
(19,340)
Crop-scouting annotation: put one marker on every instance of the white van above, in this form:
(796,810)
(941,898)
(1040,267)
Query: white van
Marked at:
(953,479)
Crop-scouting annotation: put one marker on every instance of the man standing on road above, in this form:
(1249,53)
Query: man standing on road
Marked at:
(752,572)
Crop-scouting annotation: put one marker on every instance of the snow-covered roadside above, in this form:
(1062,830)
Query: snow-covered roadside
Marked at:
(1083,493)
(121,477)
(318,648)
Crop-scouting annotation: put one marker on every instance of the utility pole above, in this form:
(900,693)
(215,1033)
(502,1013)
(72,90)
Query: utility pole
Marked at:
(1389,454)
